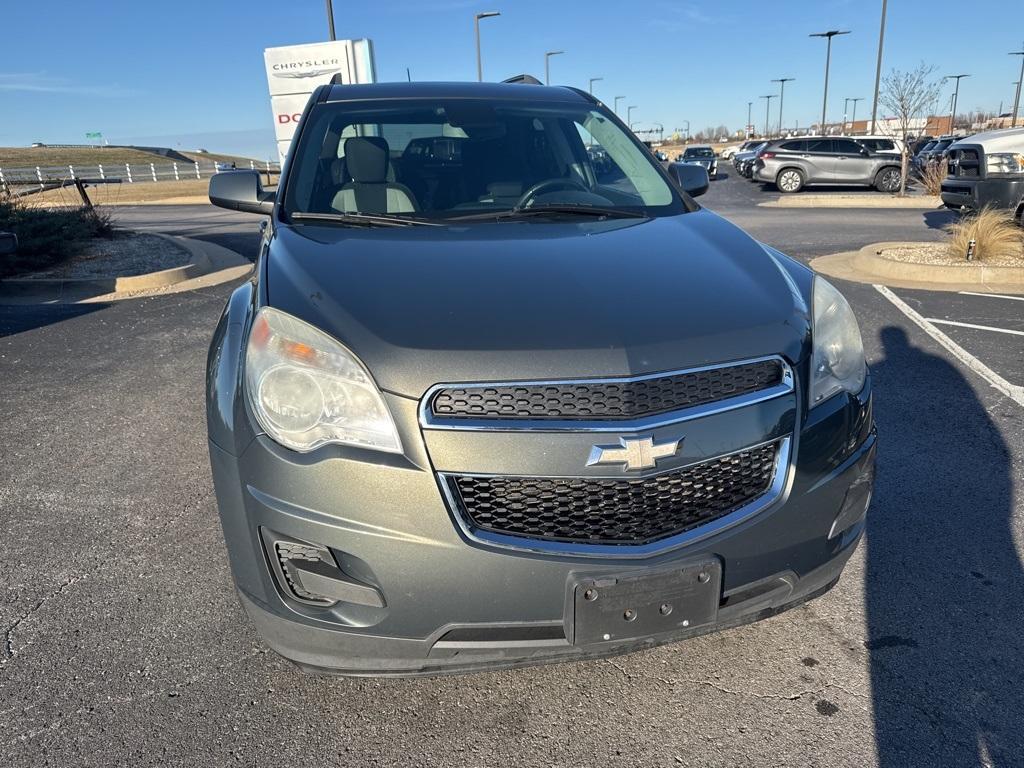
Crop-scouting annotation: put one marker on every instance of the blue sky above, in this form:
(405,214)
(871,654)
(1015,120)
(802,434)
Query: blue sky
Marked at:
(190,73)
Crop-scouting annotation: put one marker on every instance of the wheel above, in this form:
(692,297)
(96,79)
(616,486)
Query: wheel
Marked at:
(789,180)
(888,180)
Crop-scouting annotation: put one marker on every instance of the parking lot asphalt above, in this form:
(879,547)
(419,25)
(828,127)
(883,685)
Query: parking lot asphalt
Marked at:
(124,644)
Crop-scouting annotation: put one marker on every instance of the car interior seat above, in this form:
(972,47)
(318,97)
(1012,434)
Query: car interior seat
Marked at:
(368,161)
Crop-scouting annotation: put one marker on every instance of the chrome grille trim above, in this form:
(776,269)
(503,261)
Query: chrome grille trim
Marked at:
(429,421)
(779,487)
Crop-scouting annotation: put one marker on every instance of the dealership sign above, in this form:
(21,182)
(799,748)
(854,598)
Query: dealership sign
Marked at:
(295,71)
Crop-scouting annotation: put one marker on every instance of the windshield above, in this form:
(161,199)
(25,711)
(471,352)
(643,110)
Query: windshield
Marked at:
(447,159)
(699,152)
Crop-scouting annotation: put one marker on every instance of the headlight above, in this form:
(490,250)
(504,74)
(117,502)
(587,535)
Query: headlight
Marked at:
(1005,162)
(307,390)
(838,360)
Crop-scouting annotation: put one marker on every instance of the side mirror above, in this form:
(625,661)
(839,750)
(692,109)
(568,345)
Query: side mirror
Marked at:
(865,152)
(692,179)
(8,243)
(241,191)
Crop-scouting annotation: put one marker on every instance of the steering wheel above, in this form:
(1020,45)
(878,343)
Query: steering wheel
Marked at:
(547,185)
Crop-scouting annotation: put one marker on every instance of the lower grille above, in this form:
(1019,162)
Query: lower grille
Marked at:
(613,511)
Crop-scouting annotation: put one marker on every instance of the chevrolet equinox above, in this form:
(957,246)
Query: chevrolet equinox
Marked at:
(485,403)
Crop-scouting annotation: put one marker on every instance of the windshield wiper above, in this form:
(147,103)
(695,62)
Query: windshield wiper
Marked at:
(547,210)
(364,219)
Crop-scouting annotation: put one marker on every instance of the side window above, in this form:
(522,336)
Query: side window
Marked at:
(819,145)
(846,147)
(795,146)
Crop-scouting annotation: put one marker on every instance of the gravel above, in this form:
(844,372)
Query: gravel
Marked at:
(126,254)
(939,254)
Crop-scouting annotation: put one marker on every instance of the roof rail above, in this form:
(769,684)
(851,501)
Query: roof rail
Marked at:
(338,79)
(524,79)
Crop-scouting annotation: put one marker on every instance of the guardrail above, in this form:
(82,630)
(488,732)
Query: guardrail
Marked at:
(129,173)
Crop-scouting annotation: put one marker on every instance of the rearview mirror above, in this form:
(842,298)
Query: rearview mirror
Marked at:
(692,179)
(8,243)
(241,191)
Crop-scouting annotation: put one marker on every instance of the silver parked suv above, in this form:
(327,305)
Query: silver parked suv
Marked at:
(792,164)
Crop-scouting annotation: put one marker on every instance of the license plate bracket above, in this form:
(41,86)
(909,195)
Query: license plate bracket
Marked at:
(618,608)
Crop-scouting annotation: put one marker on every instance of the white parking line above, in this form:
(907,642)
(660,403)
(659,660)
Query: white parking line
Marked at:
(1012,391)
(975,327)
(992,295)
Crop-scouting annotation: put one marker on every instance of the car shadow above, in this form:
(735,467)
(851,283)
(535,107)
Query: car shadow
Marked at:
(943,577)
(940,218)
(18,318)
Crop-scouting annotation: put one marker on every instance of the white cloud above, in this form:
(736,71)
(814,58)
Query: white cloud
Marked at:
(41,82)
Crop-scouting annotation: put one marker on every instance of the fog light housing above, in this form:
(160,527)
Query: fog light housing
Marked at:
(308,573)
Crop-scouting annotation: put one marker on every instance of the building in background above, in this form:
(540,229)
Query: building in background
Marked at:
(295,71)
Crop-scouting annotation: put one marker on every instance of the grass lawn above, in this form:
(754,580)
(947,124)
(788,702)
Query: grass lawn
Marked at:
(29,157)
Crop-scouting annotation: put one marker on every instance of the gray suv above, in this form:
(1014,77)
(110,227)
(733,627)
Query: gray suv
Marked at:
(792,164)
(485,403)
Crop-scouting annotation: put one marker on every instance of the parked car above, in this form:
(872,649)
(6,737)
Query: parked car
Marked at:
(792,164)
(746,146)
(451,428)
(220,167)
(919,143)
(744,161)
(728,152)
(882,145)
(987,169)
(702,155)
(918,159)
(936,153)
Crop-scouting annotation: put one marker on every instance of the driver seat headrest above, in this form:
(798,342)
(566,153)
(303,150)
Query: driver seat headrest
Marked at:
(367,159)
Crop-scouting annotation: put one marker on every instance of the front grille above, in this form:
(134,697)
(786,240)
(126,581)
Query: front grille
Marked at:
(606,399)
(614,511)
(964,163)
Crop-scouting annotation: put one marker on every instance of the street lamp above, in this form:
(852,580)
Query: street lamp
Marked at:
(767,109)
(615,109)
(1016,99)
(547,65)
(476,27)
(330,20)
(878,70)
(593,80)
(828,60)
(629,116)
(750,126)
(782,95)
(956,97)
(846,106)
(853,117)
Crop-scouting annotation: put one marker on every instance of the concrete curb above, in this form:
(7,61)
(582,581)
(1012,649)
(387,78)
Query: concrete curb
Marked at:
(867,266)
(853,201)
(209,265)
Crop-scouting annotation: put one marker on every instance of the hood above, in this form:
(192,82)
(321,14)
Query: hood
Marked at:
(1006,140)
(535,300)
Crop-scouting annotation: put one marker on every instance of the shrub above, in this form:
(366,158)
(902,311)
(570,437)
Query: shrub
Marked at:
(995,234)
(931,177)
(47,236)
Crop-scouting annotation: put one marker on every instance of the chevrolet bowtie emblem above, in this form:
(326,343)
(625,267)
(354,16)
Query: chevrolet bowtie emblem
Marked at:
(635,453)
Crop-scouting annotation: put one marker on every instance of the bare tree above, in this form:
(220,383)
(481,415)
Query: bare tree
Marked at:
(908,97)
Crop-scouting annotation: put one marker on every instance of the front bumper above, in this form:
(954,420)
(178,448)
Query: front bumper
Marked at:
(452,604)
(975,194)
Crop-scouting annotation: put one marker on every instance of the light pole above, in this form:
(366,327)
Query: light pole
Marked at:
(476,28)
(956,97)
(547,65)
(767,108)
(629,116)
(782,95)
(846,106)
(853,118)
(593,80)
(687,139)
(828,60)
(616,107)
(878,70)
(749,127)
(330,20)
(1016,99)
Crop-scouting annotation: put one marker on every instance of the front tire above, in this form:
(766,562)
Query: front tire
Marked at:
(888,180)
(789,180)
